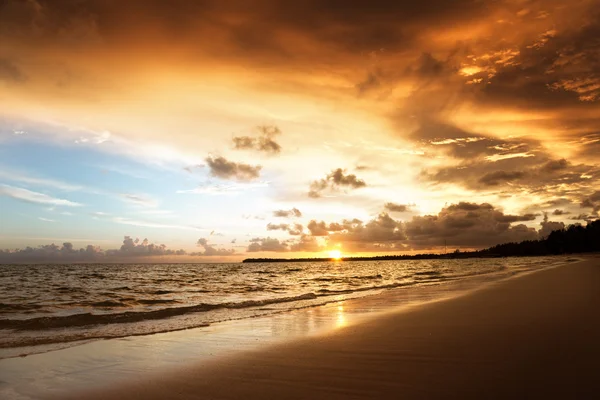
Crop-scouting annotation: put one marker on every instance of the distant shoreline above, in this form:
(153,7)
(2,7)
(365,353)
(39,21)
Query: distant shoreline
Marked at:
(381,258)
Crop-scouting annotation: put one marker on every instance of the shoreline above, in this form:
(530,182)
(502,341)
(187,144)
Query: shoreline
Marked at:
(531,336)
(196,349)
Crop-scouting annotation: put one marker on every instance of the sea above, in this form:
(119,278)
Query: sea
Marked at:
(46,307)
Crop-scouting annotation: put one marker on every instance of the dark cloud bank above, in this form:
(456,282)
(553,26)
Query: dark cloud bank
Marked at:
(462,225)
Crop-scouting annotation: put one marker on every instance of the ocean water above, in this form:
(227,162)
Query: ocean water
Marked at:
(60,305)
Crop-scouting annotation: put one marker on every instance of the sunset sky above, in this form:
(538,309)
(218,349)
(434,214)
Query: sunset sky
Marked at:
(234,129)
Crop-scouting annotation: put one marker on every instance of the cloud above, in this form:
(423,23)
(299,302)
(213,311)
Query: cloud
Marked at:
(139,200)
(264,142)
(292,229)
(10,72)
(318,228)
(321,228)
(336,179)
(382,233)
(468,224)
(555,165)
(473,225)
(229,189)
(23,178)
(222,168)
(192,168)
(294,212)
(497,177)
(393,207)
(548,226)
(481,163)
(212,251)
(267,244)
(149,224)
(592,201)
(560,212)
(131,248)
(306,243)
(275,227)
(34,197)
(136,248)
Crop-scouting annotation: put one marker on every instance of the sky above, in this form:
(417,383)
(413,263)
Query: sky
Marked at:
(215,131)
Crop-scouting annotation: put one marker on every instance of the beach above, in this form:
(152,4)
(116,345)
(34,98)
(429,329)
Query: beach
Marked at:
(531,336)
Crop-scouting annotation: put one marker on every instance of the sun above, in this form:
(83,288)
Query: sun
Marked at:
(335,254)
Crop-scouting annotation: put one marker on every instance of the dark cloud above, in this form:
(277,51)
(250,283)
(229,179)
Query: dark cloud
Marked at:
(593,202)
(483,163)
(294,212)
(296,229)
(555,165)
(264,142)
(267,244)
(548,226)
(306,243)
(393,207)
(292,229)
(464,224)
(498,177)
(276,227)
(468,224)
(380,234)
(560,212)
(10,72)
(584,217)
(318,228)
(212,251)
(335,180)
(222,168)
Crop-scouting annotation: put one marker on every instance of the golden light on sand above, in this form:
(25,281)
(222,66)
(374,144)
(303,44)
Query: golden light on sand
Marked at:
(340,320)
(335,254)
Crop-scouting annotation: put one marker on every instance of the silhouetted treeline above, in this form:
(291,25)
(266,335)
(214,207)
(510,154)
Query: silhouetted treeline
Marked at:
(574,239)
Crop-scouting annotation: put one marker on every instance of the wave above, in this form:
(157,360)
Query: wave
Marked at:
(378,276)
(331,292)
(19,307)
(159,292)
(86,319)
(427,273)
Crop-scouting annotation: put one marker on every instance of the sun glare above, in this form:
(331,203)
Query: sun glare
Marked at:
(335,254)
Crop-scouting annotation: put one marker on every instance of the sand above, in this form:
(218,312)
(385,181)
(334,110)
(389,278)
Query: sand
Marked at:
(535,336)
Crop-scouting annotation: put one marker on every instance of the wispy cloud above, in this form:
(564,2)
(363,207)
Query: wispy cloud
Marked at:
(139,200)
(232,189)
(155,212)
(46,219)
(15,176)
(34,197)
(149,224)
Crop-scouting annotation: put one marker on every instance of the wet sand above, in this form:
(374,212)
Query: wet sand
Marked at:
(536,336)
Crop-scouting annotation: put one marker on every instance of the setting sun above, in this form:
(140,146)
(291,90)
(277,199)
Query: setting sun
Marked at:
(335,254)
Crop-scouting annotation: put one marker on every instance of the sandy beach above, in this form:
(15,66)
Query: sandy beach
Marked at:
(535,336)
